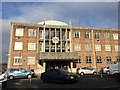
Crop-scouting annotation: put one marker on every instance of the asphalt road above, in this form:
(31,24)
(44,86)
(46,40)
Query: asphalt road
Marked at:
(87,82)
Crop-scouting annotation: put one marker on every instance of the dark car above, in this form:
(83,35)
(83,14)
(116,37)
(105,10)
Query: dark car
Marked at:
(59,75)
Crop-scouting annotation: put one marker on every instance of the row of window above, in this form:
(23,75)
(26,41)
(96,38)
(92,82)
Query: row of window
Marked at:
(32,33)
(18,60)
(77,47)
(96,35)
(88,47)
(88,59)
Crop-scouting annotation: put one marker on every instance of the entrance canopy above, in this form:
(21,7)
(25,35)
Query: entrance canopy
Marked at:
(57,56)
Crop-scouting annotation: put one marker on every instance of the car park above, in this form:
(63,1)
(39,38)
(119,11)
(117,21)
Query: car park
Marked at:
(86,70)
(19,73)
(59,75)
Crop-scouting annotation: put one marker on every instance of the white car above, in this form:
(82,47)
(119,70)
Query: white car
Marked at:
(87,70)
(3,80)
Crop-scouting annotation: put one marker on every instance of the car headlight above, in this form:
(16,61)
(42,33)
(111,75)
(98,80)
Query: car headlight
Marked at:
(71,77)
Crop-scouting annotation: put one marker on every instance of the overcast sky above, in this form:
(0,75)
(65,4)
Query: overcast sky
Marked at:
(90,14)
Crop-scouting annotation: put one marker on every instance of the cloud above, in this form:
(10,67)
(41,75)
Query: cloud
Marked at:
(82,14)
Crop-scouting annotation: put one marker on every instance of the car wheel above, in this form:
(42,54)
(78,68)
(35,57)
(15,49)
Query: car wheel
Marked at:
(29,76)
(94,73)
(11,77)
(82,73)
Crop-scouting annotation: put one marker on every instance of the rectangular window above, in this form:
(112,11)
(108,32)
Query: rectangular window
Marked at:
(88,59)
(115,36)
(31,61)
(17,60)
(41,34)
(97,47)
(19,32)
(117,47)
(77,34)
(87,34)
(77,47)
(41,47)
(88,47)
(108,59)
(18,46)
(96,35)
(106,35)
(32,32)
(99,59)
(107,48)
(31,46)
(78,60)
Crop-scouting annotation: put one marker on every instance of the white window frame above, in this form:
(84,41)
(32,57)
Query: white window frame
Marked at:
(77,34)
(107,47)
(19,32)
(115,36)
(16,60)
(31,61)
(98,47)
(117,47)
(18,46)
(106,35)
(41,33)
(77,47)
(41,47)
(32,32)
(88,47)
(87,35)
(97,35)
(31,46)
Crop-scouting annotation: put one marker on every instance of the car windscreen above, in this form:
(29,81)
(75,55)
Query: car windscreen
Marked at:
(64,72)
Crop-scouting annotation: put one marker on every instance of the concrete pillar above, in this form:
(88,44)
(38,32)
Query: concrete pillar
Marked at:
(71,65)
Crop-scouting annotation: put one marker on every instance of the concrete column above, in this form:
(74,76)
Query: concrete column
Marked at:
(71,65)
(44,66)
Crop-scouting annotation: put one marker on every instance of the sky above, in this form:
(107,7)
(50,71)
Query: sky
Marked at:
(90,14)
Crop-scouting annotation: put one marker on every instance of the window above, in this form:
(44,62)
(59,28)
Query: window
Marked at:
(87,34)
(41,34)
(88,47)
(117,47)
(19,32)
(115,36)
(118,58)
(108,59)
(18,46)
(32,32)
(77,34)
(107,48)
(17,60)
(41,47)
(99,59)
(31,61)
(97,47)
(77,47)
(31,46)
(88,59)
(78,60)
(96,35)
(106,35)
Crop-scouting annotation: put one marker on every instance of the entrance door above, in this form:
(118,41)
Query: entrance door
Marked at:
(56,64)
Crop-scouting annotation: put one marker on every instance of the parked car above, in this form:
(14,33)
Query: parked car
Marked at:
(106,70)
(19,73)
(3,80)
(59,75)
(86,70)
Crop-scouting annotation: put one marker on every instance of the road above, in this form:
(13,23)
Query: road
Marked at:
(87,81)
